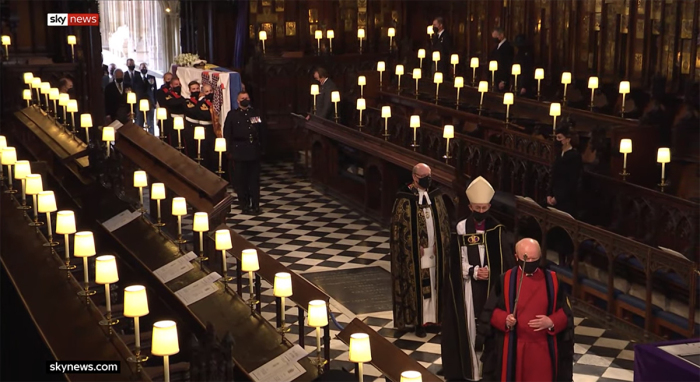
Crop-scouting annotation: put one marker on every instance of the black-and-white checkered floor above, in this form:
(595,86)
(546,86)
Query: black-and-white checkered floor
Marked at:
(309,232)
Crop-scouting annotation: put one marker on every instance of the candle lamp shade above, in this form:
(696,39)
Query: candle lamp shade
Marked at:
(53,94)
(361,33)
(164,340)
(33,184)
(624,87)
(262,36)
(223,240)
(421,53)
(360,350)
(28,77)
(249,260)
(566,78)
(8,156)
(483,86)
(179,206)
(474,62)
(36,83)
(161,113)
(108,134)
(555,109)
(201,222)
(72,106)
(27,94)
(85,120)
(71,40)
(22,169)
(430,30)
(361,104)
(663,155)
(436,56)
(220,145)
(391,32)
(330,34)
(361,80)
(437,78)
(417,74)
(144,105)
(493,66)
(625,146)
(411,376)
(399,70)
(63,99)
(135,301)
(448,132)
(539,74)
(158,191)
(515,70)
(314,89)
(45,88)
(3,142)
(454,59)
(84,244)
(318,34)
(335,96)
(381,66)
(47,202)
(318,314)
(593,82)
(386,111)
(459,82)
(65,223)
(508,98)
(140,179)
(199,133)
(283,285)
(106,270)
(414,122)
(131,98)
(6,40)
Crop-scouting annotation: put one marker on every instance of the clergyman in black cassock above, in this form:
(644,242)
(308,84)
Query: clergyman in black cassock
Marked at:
(479,255)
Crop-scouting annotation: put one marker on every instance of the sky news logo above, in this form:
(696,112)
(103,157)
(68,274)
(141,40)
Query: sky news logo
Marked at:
(72,19)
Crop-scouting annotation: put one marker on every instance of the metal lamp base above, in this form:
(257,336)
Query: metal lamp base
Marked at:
(227,278)
(51,243)
(36,223)
(319,363)
(87,293)
(24,207)
(138,358)
(11,191)
(109,322)
(67,267)
(251,303)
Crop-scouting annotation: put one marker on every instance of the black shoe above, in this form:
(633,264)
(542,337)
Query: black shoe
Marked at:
(246,210)
(420,332)
(257,211)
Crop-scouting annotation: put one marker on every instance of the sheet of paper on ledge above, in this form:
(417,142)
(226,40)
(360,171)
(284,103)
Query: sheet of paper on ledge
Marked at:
(198,289)
(175,268)
(283,368)
(123,218)
(689,352)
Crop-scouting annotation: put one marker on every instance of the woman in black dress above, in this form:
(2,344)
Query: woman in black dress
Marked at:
(566,172)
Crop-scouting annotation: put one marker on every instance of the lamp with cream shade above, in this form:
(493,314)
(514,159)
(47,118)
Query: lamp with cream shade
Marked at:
(360,36)
(459,84)
(508,100)
(663,156)
(362,81)
(47,205)
(250,264)
(34,188)
(105,274)
(381,67)
(361,105)
(164,343)
(624,90)
(53,96)
(220,147)
(436,59)
(6,42)
(318,35)
(86,123)
(421,56)
(360,352)
(72,41)
(386,114)
(515,71)
(28,77)
(399,73)
(199,136)
(22,169)
(179,125)
(45,89)
(448,133)
(474,64)
(201,224)
(314,92)
(72,108)
(108,137)
(437,79)
(391,32)
(414,123)
(318,318)
(131,100)
(162,115)
(430,31)
(482,89)
(65,225)
(625,148)
(493,67)
(335,98)
(158,194)
(179,209)
(330,35)
(593,85)
(63,99)
(539,76)
(454,60)
(566,81)
(84,247)
(27,96)
(262,36)
(8,157)
(411,376)
(145,106)
(417,75)
(222,238)
(136,306)
(282,288)
(554,112)
(141,181)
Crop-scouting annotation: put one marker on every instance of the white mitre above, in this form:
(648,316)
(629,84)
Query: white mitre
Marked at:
(480,191)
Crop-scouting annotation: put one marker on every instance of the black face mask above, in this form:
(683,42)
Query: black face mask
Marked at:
(131,67)
(435,29)
(425,182)
(210,96)
(70,91)
(177,89)
(245,103)
(144,71)
(480,216)
(529,267)
(195,95)
(119,80)
(496,40)
(166,84)
(111,72)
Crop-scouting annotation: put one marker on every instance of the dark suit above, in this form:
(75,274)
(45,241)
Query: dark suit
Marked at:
(504,55)
(245,137)
(149,93)
(115,102)
(138,86)
(526,80)
(442,44)
(566,172)
(324,106)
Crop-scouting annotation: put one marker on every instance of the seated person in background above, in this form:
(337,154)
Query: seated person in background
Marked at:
(65,85)
(324,106)
(566,172)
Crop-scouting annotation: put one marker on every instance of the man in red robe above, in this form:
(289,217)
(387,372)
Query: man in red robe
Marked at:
(527,324)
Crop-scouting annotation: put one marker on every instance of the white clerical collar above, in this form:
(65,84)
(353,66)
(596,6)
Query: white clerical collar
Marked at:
(423,194)
(323,81)
(440,33)
(501,43)
(564,151)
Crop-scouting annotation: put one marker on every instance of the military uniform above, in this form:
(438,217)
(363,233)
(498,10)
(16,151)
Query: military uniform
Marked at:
(191,120)
(167,124)
(245,136)
(204,115)
(175,105)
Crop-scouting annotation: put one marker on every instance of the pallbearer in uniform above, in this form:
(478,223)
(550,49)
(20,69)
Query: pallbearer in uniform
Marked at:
(420,239)
(245,139)
(479,255)
(191,119)
(208,118)
(527,324)
(174,103)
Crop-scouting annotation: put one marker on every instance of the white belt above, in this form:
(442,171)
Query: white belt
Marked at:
(192,120)
(178,115)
